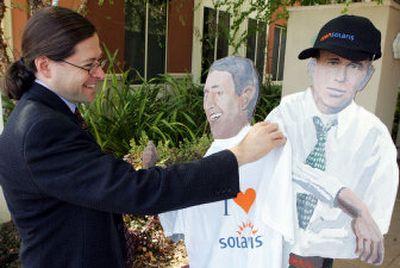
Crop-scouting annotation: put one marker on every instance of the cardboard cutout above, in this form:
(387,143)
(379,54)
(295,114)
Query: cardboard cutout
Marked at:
(344,164)
(242,232)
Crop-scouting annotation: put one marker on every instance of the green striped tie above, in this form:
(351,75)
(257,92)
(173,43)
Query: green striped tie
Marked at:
(305,202)
(316,158)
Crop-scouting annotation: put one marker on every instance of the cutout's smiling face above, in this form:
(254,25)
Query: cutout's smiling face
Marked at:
(223,107)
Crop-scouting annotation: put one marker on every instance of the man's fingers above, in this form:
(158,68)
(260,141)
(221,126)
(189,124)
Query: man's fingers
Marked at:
(272,127)
(277,135)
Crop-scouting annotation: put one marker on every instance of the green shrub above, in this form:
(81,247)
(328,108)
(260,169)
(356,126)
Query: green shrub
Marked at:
(166,109)
(8,106)
(147,245)
(270,96)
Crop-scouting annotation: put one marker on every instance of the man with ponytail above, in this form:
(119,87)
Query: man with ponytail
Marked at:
(65,195)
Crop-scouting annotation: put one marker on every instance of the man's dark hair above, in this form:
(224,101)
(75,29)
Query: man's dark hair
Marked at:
(52,32)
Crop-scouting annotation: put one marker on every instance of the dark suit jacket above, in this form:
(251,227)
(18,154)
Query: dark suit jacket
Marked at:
(66,196)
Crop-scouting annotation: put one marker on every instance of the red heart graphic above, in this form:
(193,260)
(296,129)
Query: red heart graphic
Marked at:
(246,200)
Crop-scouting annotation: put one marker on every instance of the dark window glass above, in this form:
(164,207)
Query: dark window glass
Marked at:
(156,42)
(135,30)
(278,54)
(261,43)
(208,42)
(135,37)
(251,39)
(223,34)
(215,44)
(282,54)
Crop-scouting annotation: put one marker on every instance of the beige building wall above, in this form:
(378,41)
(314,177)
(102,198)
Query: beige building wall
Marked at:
(380,95)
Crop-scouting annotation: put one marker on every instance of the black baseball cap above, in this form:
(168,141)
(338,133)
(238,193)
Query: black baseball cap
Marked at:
(351,37)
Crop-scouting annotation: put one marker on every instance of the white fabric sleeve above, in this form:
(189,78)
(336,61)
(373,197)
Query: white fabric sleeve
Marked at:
(382,172)
(172,222)
(317,182)
(277,203)
(276,199)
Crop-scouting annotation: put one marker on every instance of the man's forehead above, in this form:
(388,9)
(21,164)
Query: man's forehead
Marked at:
(217,79)
(327,55)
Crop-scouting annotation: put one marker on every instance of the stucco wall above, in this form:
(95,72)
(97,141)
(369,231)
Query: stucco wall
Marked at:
(304,23)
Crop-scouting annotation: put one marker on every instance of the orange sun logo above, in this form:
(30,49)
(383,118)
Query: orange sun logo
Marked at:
(246,228)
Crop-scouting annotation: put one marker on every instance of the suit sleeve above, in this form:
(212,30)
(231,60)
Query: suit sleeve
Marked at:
(65,163)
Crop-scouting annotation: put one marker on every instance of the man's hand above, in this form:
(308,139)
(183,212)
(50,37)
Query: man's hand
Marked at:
(149,156)
(370,243)
(261,139)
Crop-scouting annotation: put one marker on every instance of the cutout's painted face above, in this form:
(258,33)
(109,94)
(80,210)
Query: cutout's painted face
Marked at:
(336,81)
(223,106)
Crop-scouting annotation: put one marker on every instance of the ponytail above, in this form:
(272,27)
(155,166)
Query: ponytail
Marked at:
(17,80)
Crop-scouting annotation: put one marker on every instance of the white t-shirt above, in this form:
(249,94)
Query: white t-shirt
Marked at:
(360,155)
(234,233)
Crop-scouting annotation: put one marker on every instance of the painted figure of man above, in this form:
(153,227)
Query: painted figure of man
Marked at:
(235,232)
(344,160)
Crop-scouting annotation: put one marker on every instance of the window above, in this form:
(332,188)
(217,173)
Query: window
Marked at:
(278,53)
(145,37)
(256,42)
(215,38)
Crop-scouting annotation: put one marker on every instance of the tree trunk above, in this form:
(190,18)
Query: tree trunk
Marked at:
(35,5)
(83,7)
(4,59)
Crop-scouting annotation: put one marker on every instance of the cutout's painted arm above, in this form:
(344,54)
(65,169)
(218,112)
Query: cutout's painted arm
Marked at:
(318,182)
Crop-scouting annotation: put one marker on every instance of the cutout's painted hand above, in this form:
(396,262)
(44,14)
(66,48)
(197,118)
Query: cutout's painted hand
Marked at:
(369,239)
(149,156)
(370,243)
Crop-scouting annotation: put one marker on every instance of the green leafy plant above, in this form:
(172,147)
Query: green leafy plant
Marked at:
(270,96)
(187,150)
(7,106)
(147,245)
(165,108)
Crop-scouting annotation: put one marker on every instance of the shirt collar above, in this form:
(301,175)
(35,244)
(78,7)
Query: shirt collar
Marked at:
(344,117)
(71,105)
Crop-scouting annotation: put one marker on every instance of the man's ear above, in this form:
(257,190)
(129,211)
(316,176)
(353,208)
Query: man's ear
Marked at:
(363,83)
(246,97)
(43,66)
